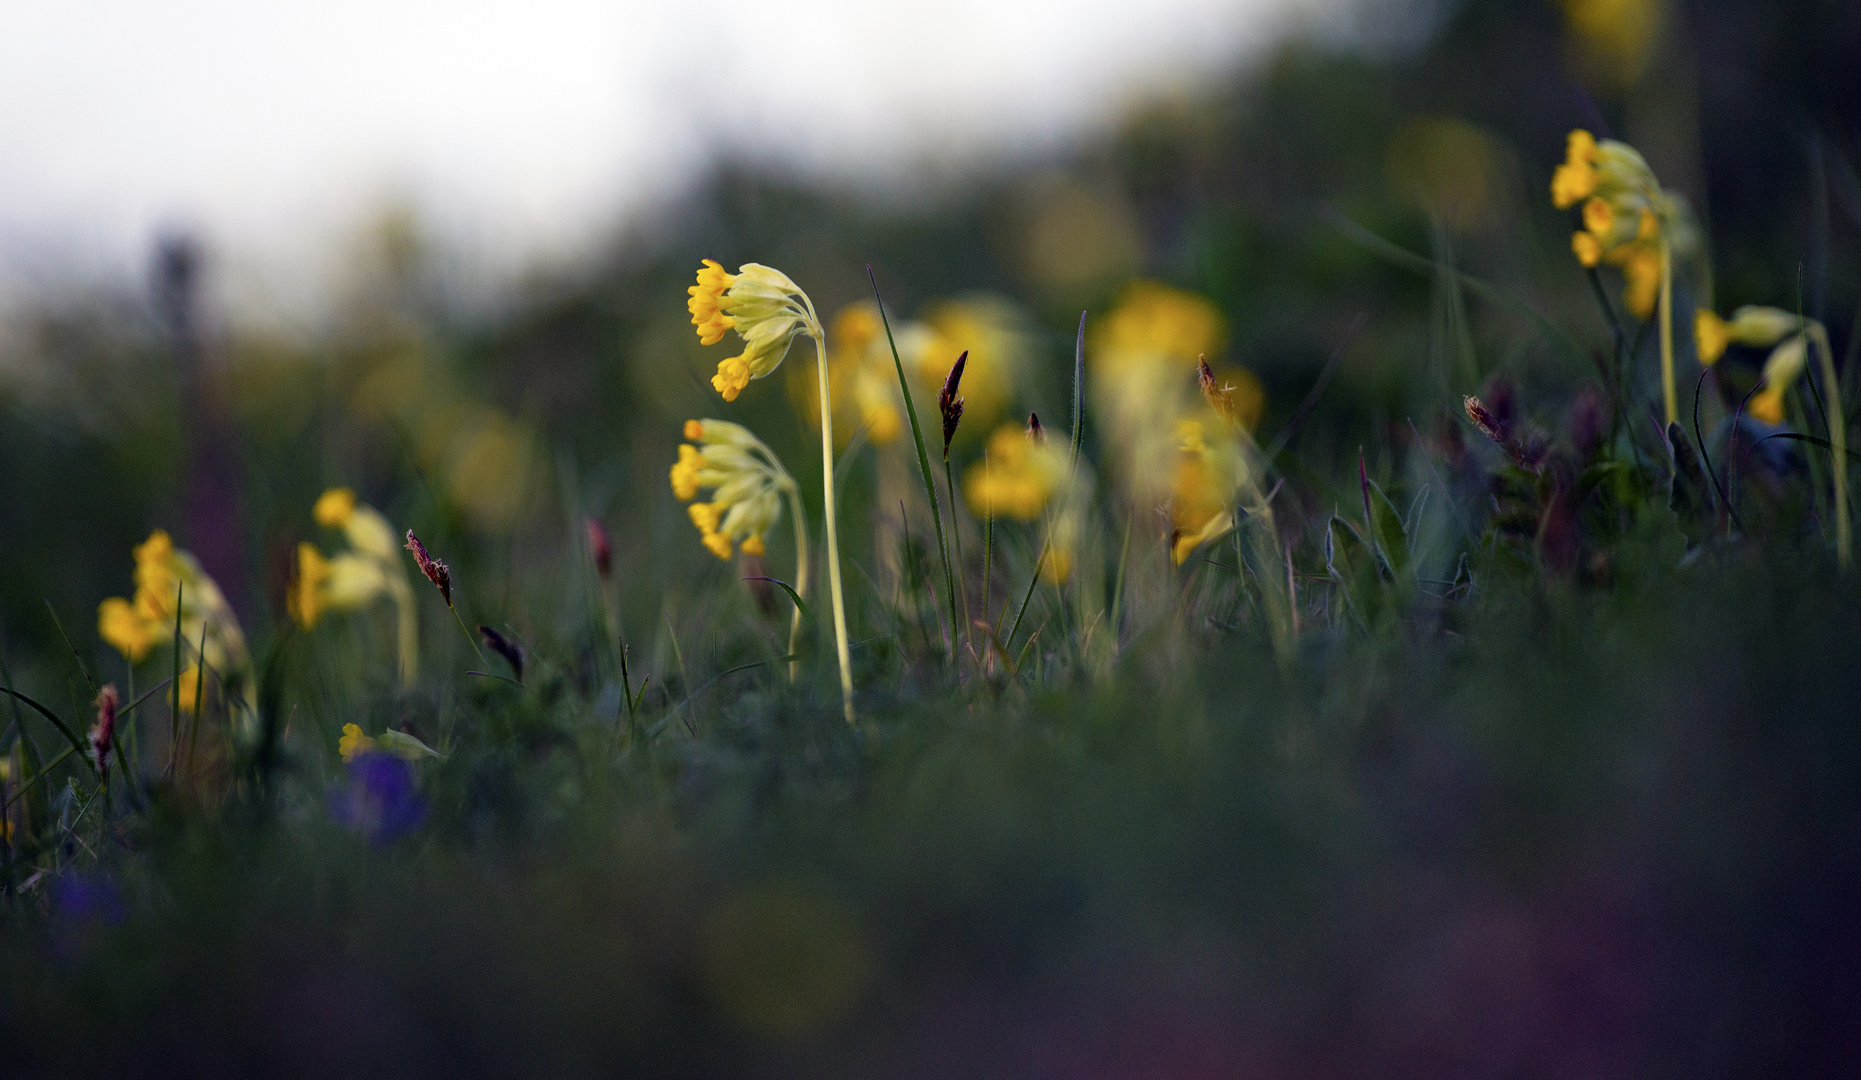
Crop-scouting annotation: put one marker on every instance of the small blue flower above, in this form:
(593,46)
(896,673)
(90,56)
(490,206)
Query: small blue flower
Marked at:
(83,898)
(378,799)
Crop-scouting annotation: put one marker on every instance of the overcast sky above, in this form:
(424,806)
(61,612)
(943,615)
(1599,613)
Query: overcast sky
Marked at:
(274,126)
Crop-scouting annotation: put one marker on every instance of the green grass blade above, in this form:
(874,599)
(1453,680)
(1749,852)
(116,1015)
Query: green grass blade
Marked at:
(800,605)
(917,437)
(70,737)
(1079,390)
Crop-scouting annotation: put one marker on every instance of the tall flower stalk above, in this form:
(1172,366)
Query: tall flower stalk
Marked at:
(768,311)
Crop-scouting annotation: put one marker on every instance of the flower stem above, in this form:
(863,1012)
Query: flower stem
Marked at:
(833,535)
(469,636)
(1838,441)
(407,624)
(801,577)
(1666,315)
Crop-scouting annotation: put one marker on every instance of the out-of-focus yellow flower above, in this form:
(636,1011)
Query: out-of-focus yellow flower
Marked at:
(370,570)
(763,306)
(992,330)
(334,507)
(1629,222)
(864,379)
(208,628)
(750,483)
(1024,475)
(353,743)
(1615,37)
(124,630)
(1209,474)
(1627,216)
(1152,323)
(1786,362)
(305,598)
(1016,478)
(1452,168)
(1760,327)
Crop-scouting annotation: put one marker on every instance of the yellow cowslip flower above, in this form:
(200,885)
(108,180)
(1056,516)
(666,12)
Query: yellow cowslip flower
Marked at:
(750,484)
(1023,475)
(208,628)
(1154,323)
(763,306)
(126,630)
(334,507)
(1786,362)
(1761,327)
(1575,179)
(1627,216)
(353,743)
(305,598)
(372,568)
(1016,478)
(1629,222)
(1209,474)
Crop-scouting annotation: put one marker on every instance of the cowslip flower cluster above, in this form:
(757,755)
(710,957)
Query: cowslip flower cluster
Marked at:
(208,628)
(767,311)
(763,306)
(749,485)
(354,579)
(1629,222)
(1628,218)
(1790,338)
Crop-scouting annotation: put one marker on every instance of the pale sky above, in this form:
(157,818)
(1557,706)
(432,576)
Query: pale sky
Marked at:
(274,126)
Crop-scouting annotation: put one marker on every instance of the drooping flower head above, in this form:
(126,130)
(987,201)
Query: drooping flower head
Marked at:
(748,479)
(1786,362)
(370,570)
(1626,215)
(762,305)
(208,628)
(1760,327)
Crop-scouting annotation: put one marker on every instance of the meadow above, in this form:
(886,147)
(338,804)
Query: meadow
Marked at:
(1348,574)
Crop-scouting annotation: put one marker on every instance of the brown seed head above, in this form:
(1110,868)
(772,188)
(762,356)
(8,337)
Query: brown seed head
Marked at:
(434,570)
(505,647)
(1483,419)
(104,733)
(949,404)
(1035,433)
(600,547)
(1220,398)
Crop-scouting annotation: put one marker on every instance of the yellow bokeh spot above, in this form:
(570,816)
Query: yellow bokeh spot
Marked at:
(785,959)
(334,507)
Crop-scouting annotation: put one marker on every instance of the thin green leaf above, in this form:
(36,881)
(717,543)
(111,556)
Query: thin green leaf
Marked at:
(917,437)
(70,737)
(786,587)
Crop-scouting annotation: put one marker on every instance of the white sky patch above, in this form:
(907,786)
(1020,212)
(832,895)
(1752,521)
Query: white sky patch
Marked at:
(528,128)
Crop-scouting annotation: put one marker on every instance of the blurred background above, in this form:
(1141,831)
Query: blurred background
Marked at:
(439,252)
